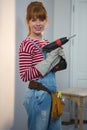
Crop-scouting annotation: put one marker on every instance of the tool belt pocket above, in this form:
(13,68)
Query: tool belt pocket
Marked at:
(57,107)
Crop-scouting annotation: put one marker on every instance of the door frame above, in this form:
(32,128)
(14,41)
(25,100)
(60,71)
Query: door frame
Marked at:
(72,50)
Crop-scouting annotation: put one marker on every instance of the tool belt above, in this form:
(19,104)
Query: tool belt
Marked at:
(57,106)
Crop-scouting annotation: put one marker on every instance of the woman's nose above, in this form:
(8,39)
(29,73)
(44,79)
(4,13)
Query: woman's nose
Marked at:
(38,22)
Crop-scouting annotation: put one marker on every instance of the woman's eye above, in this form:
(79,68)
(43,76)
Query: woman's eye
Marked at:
(33,20)
(42,20)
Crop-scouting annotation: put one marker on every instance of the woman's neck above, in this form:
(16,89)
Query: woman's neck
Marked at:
(37,37)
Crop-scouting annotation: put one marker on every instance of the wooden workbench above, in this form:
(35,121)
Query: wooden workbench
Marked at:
(77,95)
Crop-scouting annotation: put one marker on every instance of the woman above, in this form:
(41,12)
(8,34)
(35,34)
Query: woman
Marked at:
(36,65)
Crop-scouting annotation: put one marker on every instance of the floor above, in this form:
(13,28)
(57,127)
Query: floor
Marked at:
(71,127)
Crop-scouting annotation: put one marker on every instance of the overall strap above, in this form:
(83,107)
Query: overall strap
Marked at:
(36,45)
(40,49)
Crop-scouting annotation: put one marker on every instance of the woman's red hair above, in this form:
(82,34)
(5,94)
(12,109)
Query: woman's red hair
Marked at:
(36,10)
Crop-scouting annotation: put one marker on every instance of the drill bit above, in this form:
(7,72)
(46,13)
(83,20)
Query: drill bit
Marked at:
(71,36)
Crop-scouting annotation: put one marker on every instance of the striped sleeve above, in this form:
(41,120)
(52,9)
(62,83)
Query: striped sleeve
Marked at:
(26,64)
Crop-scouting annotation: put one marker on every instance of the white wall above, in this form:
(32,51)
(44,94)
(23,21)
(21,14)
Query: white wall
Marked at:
(7,63)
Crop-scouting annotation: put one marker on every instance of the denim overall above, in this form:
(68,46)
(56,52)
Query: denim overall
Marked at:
(38,106)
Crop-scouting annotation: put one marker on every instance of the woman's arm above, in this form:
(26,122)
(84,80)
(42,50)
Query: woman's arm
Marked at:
(26,63)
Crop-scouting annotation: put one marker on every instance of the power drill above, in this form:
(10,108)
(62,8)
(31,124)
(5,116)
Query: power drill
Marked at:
(56,44)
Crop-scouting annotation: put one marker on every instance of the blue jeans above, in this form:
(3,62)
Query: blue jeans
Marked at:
(38,106)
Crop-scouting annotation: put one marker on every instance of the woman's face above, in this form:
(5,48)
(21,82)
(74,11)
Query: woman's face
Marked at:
(37,26)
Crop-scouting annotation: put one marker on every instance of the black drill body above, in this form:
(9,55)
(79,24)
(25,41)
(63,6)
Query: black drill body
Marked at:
(58,43)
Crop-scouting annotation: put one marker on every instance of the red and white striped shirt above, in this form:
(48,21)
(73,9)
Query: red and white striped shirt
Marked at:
(29,56)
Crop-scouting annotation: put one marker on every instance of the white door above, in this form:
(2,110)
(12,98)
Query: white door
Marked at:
(78,74)
(79,44)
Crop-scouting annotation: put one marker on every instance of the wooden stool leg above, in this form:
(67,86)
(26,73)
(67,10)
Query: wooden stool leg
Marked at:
(81,114)
(76,115)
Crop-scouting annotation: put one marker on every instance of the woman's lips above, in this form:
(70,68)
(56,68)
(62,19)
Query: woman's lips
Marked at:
(38,28)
